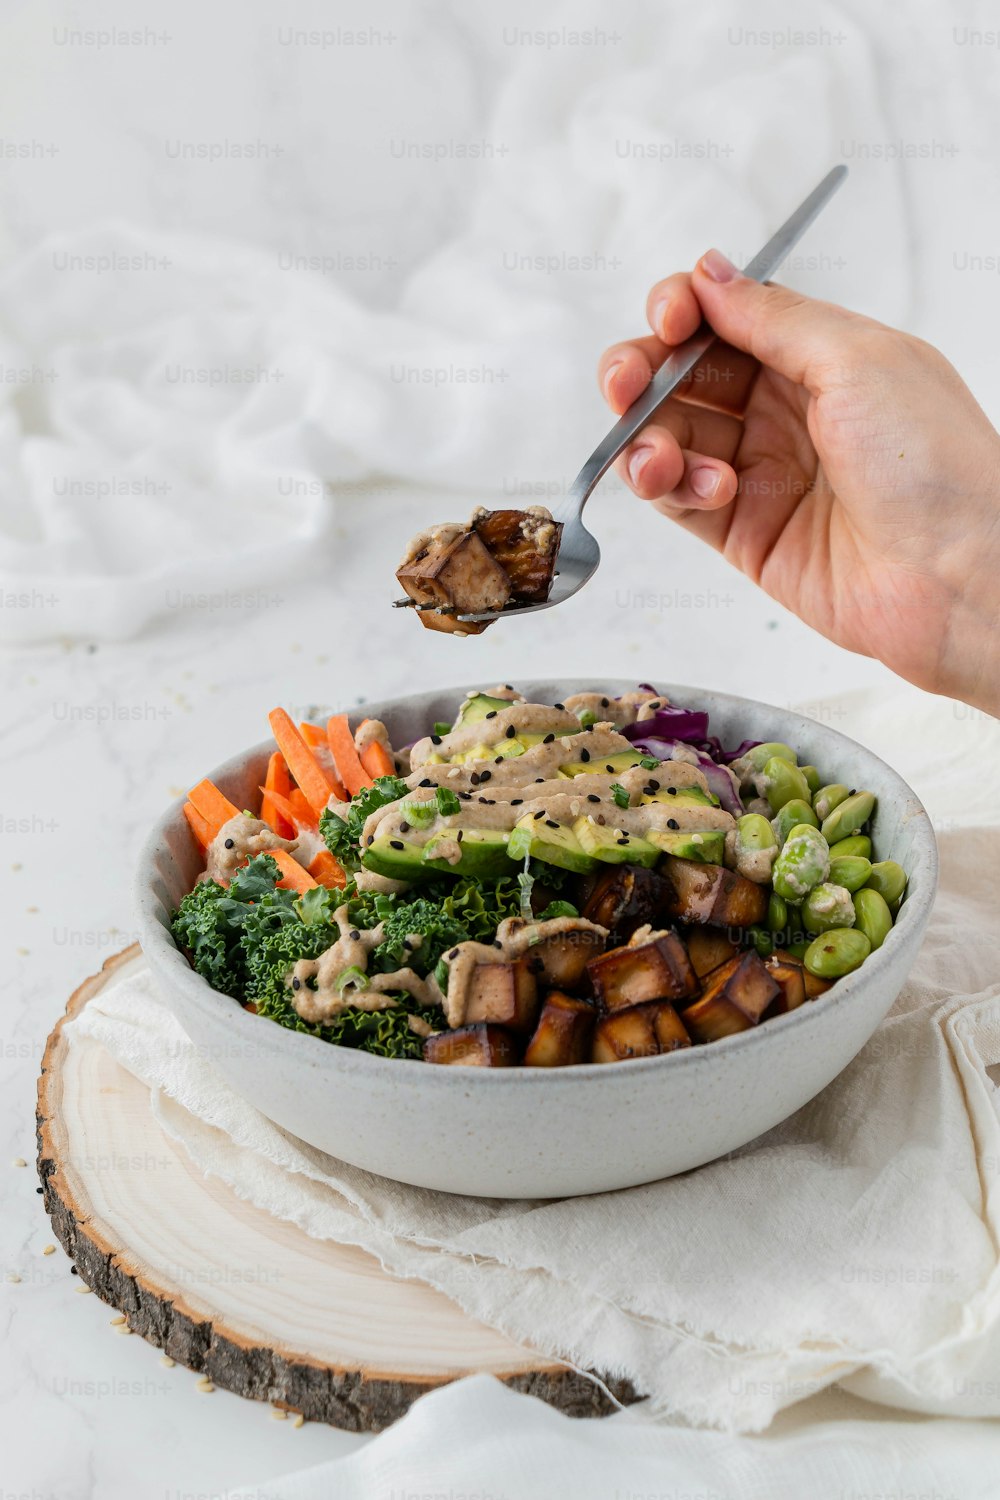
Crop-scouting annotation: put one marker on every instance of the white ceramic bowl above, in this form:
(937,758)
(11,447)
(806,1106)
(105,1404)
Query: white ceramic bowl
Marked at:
(544,1133)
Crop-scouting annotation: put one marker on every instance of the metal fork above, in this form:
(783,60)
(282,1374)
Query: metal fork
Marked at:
(579,553)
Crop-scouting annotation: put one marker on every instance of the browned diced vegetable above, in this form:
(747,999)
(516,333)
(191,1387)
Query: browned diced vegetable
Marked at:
(478,1046)
(707,949)
(505,993)
(789,975)
(459,575)
(655,970)
(525,546)
(625,897)
(642,1031)
(712,894)
(563,1033)
(734,998)
(814,985)
(561,960)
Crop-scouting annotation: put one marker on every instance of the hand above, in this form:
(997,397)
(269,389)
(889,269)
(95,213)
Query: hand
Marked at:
(843,466)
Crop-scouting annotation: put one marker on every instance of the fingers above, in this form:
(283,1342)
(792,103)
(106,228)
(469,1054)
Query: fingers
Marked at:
(625,370)
(677,479)
(799,337)
(673,309)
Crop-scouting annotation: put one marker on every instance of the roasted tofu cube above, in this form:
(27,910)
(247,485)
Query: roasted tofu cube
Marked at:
(658,969)
(814,985)
(458,575)
(641,1031)
(563,1034)
(790,977)
(561,960)
(503,993)
(626,897)
(711,894)
(707,949)
(734,998)
(478,1046)
(525,543)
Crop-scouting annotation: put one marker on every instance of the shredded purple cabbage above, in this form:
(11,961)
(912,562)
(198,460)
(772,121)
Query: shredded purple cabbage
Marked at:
(672,727)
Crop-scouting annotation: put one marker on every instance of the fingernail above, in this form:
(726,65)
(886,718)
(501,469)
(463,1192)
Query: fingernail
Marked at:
(715,265)
(609,376)
(704,482)
(659,313)
(640,458)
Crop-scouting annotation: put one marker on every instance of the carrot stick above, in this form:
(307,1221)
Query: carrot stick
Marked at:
(315,737)
(327,870)
(303,814)
(212,805)
(349,768)
(293,877)
(200,827)
(313,734)
(277,780)
(376,758)
(315,781)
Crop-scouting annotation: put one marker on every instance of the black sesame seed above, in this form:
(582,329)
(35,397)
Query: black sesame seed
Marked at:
(466,796)
(671,791)
(498,760)
(610,768)
(551,823)
(516,801)
(486,775)
(508,687)
(548,739)
(370,839)
(296,984)
(672,823)
(623,840)
(655,705)
(605,702)
(435,739)
(72,1270)
(497,943)
(654,785)
(560,706)
(460,835)
(395,843)
(38,1190)
(404,827)
(539,814)
(601,819)
(230,843)
(584,755)
(538,779)
(510,731)
(492,713)
(453,953)
(355,934)
(475,778)
(426,782)
(593,797)
(852,792)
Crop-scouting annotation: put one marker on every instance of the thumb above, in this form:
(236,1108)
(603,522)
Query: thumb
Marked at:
(799,337)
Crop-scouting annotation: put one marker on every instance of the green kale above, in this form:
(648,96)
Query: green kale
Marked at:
(209,922)
(343,835)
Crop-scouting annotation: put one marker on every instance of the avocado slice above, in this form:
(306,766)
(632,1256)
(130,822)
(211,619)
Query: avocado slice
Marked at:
(621,760)
(503,750)
(706,846)
(477,707)
(684,796)
(550,842)
(613,847)
(399,859)
(483,857)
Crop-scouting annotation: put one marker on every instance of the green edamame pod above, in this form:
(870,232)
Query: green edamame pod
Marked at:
(777,913)
(782,782)
(762,941)
(827,905)
(850,870)
(889,879)
(758,757)
(753,831)
(872,916)
(837,952)
(851,816)
(829,797)
(859,844)
(791,816)
(812,778)
(803,862)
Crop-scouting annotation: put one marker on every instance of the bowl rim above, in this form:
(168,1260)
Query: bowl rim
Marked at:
(166,958)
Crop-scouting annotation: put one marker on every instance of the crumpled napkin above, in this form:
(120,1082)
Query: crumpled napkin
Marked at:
(857,1242)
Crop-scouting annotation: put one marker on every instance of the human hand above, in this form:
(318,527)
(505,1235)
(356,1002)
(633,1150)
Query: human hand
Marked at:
(842,465)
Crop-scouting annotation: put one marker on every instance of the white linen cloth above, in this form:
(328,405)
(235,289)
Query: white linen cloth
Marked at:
(177,411)
(857,1242)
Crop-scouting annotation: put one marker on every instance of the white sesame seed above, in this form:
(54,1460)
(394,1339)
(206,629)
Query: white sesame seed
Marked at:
(167,1361)
(278,1414)
(19,1161)
(12,1276)
(49,1250)
(299,1420)
(117,1322)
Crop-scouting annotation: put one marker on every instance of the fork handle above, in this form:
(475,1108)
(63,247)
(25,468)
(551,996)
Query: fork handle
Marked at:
(685,356)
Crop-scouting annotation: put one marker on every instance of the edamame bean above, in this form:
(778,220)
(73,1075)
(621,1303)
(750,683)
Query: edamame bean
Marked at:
(798,949)
(836,952)
(753,831)
(889,879)
(858,844)
(850,870)
(872,916)
(812,778)
(762,941)
(827,906)
(782,781)
(777,913)
(829,797)
(792,815)
(758,757)
(852,815)
(803,862)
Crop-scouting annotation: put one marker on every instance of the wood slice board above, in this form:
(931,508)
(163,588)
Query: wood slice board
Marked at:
(224,1288)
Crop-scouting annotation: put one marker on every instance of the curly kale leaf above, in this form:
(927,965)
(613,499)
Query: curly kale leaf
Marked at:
(209,922)
(343,835)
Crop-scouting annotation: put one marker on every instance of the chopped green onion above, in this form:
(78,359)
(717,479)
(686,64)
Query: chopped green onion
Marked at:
(619,793)
(447,802)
